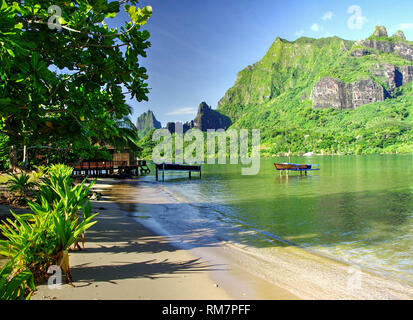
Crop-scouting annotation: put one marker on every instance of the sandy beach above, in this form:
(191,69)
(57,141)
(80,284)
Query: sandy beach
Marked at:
(125,259)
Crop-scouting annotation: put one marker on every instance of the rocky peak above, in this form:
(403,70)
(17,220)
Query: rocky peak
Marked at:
(147,121)
(203,107)
(207,118)
(380,31)
(399,34)
(399,48)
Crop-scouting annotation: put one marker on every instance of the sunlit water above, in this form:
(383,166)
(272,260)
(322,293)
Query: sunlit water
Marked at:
(357,209)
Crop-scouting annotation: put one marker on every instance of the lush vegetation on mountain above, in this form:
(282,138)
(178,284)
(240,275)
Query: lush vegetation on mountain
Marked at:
(145,122)
(274,95)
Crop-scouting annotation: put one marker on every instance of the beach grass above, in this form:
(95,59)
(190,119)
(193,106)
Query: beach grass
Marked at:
(4,178)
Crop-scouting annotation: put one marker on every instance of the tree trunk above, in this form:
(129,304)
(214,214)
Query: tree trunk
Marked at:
(25,157)
(13,159)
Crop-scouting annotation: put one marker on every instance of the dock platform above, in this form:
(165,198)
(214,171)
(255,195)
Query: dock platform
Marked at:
(110,168)
(176,167)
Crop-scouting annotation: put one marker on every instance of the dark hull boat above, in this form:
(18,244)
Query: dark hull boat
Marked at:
(292,166)
(296,167)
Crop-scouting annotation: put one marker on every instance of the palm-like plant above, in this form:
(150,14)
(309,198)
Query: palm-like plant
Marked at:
(124,135)
(20,184)
(120,132)
(67,231)
(59,178)
(39,173)
(50,233)
(16,285)
(42,238)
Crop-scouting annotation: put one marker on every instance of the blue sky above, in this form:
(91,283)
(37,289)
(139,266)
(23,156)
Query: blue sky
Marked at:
(198,47)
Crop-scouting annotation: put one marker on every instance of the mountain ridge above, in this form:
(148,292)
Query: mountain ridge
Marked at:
(297,83)
(147,121)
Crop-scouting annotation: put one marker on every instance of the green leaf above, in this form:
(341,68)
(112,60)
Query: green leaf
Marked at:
(113,7)
(3,4)
(35,59)
(10,52)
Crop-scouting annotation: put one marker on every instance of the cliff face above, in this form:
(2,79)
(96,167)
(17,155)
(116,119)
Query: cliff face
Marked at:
(299,95)
(206,118)
(401,49)
(330,92)
(331,72)
(380,41)
(147,121)
(384,78)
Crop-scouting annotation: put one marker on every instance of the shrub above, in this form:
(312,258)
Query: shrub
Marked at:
(39,239)
(20,184)
(16,285)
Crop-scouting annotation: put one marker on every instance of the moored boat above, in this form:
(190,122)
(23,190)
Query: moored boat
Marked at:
(295,167)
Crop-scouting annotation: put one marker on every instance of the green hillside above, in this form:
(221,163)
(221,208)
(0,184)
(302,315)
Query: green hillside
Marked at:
(274,95)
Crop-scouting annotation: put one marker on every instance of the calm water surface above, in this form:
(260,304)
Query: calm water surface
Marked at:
(357,209)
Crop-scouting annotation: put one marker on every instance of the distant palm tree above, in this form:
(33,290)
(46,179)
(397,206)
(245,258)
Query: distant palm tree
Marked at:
(124,133)
(127,136)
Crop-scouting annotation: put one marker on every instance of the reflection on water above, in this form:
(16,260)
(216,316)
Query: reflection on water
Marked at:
(357,209)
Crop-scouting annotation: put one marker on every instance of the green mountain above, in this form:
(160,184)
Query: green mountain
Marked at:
(145,122)
(328,96)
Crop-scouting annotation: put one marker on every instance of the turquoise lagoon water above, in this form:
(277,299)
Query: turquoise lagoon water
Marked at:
(357,209)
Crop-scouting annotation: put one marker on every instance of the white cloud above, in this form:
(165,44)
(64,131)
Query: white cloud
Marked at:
(406,26)
(315,27)
(328,16)
(182,111)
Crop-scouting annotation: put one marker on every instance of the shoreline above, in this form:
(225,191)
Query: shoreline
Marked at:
(224,270)
(125,260)
(299,272)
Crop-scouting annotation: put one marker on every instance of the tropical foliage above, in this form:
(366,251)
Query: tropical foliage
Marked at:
(15,284)
(37,240)
(63,81)
(273,95)
(20,184)
(4,152)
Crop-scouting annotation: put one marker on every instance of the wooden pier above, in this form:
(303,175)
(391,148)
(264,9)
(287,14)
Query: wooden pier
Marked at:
(176,167)
(110,168)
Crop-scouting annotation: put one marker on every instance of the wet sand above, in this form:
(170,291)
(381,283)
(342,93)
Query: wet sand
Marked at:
(274,272)
(126,258)
(123,259)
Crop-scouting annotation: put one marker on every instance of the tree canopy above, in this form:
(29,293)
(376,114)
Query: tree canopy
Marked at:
(64,73)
